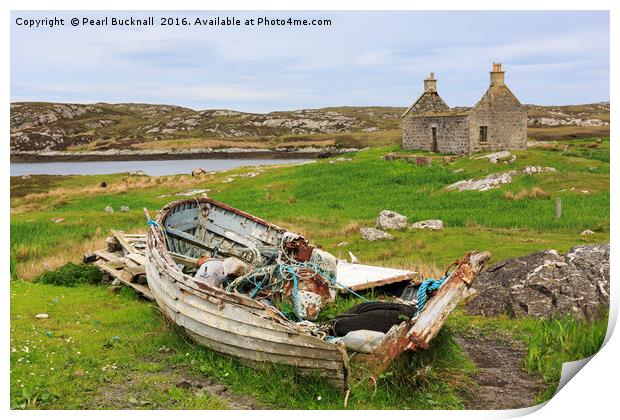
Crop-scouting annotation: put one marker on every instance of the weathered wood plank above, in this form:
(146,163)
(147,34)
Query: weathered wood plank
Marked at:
(234,319)
(125,278)
(137,258)
(418,334)
(120,236)
(183,259)
(109,257)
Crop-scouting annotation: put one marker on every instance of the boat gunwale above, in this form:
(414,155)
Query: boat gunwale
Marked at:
(156,241)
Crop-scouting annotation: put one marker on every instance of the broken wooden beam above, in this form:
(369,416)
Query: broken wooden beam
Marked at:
(127,246)
(417,334)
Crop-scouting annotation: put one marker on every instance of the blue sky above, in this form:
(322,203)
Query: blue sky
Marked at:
(363,58)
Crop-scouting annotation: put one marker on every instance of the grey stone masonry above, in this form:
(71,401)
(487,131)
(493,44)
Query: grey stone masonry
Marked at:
(497,122)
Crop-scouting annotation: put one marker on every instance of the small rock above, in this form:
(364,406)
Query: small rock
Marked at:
(343,243)
(41,316)
(114,289)
(458,171)
(198,172)
(103,185)
(432,224)
(218,389)
(184,384)
(109,209)
(58,220)
(26,176)
(501,156)
(138,173)
(372,234)
(538,169)
(587,232)
(124,209)
(390,220)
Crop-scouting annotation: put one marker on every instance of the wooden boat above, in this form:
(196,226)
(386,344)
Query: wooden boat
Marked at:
(254,332)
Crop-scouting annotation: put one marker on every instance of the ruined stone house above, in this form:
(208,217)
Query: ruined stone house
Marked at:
(497,122)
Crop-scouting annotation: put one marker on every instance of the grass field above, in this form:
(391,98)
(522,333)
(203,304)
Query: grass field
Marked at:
(328,203)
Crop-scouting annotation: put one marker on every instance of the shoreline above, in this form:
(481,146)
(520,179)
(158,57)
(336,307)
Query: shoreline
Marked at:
(187,154)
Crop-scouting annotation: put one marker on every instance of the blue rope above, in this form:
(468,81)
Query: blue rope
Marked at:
(291,270)
(426,288)
(152,222)
(315,268)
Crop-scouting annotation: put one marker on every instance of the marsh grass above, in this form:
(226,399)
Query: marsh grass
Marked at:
(563,339)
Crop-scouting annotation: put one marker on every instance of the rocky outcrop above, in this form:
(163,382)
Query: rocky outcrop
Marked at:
(484,184)
(37,126)
(577,115)
(496,179)
(501,156)
(390,220)
(546,283)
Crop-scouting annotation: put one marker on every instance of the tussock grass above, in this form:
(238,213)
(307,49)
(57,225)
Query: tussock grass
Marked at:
(71,275)
(560,340)
(533,194)
(550,342)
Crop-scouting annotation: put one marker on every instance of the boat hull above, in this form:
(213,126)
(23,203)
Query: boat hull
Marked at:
(233,324)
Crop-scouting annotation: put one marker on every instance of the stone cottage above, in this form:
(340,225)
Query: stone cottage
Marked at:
(497,122)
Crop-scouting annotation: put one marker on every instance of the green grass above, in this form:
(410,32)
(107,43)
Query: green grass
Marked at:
(559,340)
(71,275)
(328,203)
(104,350)
(550,342)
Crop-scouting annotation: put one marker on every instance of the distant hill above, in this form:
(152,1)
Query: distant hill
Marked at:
(41,126)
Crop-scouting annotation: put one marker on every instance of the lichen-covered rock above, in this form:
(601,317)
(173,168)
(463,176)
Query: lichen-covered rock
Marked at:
(484,184)
(432,224)
(390,220)
(501,156)
(372,234)
(538,169)
(545,283)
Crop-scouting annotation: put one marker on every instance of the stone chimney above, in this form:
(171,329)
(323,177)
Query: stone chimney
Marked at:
(497,75)
(430,84)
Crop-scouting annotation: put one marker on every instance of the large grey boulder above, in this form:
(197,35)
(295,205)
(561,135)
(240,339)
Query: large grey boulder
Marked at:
(390,220)
(372,234)
(546,283)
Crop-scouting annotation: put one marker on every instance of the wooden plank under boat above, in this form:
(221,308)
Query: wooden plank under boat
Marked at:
(250,330)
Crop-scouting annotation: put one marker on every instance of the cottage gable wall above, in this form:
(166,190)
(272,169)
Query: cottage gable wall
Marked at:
(498,121)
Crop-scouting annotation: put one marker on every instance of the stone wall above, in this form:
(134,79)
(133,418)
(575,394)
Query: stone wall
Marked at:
(428,102)
(505,119)
(452,133)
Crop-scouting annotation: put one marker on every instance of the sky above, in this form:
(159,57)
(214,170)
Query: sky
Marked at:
(362,59)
